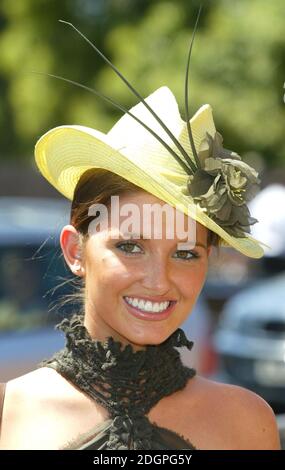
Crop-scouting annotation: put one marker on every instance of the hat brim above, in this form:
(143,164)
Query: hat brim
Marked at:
(64,153)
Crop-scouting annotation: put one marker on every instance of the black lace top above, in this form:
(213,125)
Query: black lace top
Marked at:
(127,383)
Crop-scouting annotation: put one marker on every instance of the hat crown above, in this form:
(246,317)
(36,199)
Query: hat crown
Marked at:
(133,140)
(163,102)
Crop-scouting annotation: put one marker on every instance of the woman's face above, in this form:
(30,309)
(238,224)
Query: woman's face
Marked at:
(120,272)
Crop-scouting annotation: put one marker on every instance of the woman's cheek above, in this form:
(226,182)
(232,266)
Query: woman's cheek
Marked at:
(115,272)
(192,282)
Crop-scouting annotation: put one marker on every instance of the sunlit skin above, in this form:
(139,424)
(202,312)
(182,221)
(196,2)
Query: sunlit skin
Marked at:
(116,267)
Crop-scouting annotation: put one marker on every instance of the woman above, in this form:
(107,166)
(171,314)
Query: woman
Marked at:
(120,383)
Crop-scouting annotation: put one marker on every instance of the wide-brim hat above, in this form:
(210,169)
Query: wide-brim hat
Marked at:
(64,153)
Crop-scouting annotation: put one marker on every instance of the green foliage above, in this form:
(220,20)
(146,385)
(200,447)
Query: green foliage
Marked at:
(237,66)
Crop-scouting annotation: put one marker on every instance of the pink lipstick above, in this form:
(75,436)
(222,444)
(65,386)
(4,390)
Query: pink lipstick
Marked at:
(152,316)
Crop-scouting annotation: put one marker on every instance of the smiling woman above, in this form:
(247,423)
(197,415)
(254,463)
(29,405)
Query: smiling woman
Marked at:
(120,383)
(136,272)
(137,266)
(120,371)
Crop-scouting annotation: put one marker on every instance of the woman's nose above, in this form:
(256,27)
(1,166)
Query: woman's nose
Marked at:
(157,276)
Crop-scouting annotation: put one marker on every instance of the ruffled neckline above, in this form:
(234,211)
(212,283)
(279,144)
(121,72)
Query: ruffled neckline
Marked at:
(126,382)
(112,354)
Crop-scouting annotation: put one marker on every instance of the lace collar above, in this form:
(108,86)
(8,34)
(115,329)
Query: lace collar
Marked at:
(126,382)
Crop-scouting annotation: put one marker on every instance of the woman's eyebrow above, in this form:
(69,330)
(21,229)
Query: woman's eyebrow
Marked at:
(135,236)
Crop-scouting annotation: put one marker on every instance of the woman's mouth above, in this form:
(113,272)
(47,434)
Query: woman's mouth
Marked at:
(147,310)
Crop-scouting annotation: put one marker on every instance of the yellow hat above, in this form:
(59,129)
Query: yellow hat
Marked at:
(64,153)
(181,163)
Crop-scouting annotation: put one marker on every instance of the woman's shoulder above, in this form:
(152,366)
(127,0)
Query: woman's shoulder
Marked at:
(35,387)
(37,400)
(27,396)
(43,387)
(23,396)
(240,415)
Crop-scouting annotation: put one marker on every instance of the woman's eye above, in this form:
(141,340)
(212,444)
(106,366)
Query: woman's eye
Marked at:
(128,247)
(187,254)
(132,248)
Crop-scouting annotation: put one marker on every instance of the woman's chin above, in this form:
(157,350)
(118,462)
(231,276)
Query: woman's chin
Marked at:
(141,335)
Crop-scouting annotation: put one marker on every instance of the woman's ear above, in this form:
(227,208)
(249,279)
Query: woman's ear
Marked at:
(70,243)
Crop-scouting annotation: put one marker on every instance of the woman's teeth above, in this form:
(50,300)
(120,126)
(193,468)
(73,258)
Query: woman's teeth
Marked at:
(147,305)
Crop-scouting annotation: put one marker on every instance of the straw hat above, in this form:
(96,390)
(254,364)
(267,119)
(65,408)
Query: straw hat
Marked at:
(181,163)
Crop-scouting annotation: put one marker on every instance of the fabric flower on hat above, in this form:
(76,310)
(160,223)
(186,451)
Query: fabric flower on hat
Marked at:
(223,186)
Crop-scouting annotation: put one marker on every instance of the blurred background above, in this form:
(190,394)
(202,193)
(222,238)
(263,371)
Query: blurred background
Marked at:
(238,66)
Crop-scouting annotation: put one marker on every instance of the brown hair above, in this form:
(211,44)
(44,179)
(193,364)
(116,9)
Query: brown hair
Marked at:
(97,187)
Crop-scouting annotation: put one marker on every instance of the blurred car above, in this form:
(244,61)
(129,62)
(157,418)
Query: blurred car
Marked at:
(30,270)
(270,229)
(281,426)
(250,340)
(198,328)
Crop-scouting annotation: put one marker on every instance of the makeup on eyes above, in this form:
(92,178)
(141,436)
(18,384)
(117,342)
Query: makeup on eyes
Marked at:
(194,254)
(187,244)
